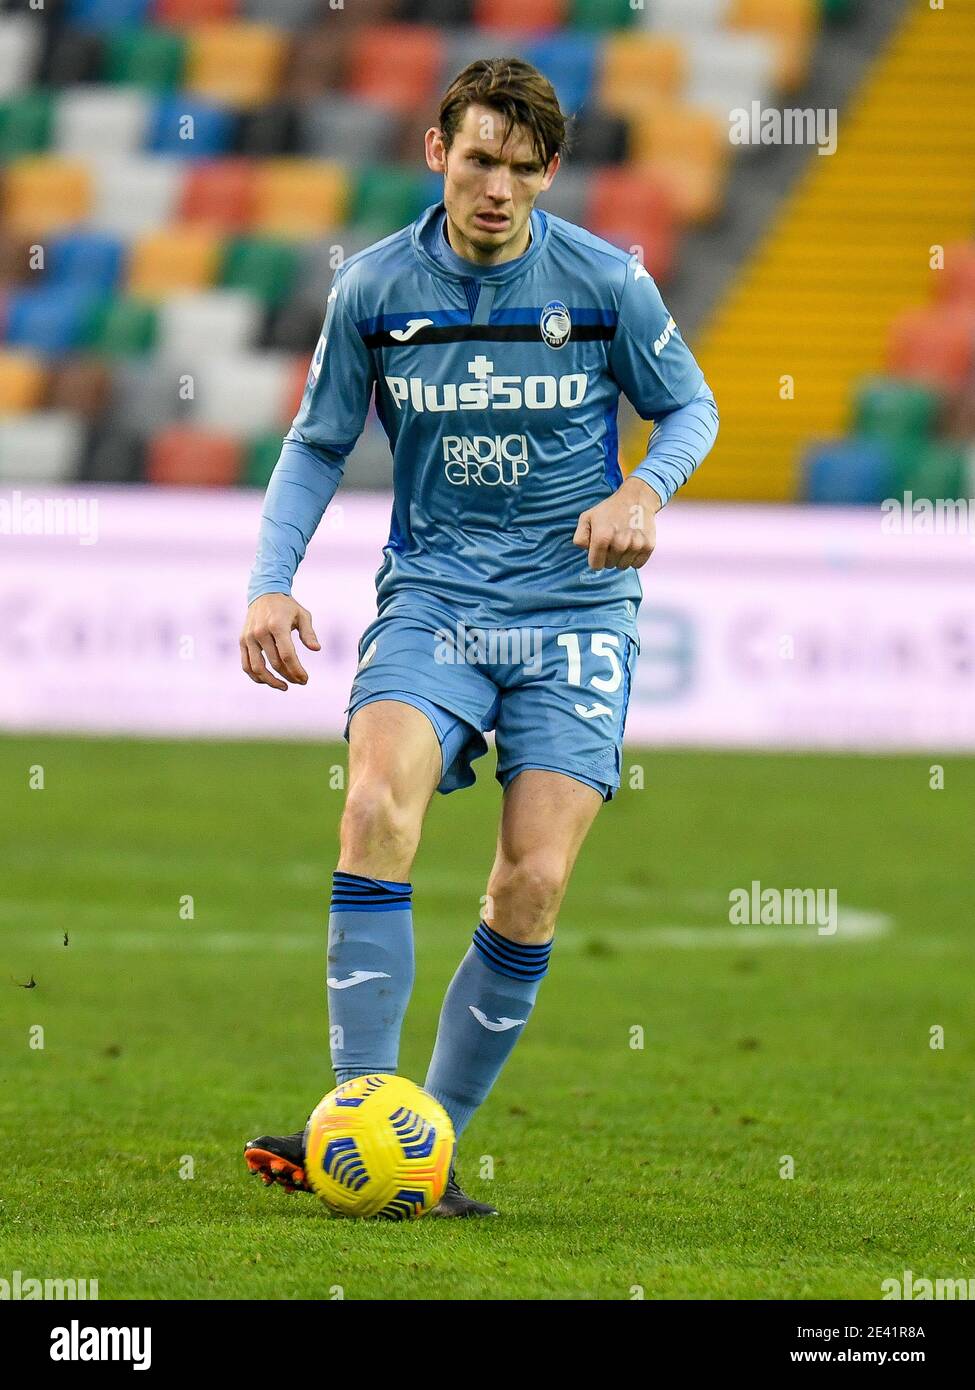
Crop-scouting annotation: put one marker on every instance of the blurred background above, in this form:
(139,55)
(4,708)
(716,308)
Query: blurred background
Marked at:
(182,177)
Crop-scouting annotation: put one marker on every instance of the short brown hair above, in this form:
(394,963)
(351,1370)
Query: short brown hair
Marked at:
(518,92)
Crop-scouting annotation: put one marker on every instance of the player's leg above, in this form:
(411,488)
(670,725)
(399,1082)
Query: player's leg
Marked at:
(395,765)
(545,817)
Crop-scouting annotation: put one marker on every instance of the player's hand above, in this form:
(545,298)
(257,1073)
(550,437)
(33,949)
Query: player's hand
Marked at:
(271,619)
(620,532)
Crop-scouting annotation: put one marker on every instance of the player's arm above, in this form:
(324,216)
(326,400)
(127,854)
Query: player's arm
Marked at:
(657,372)
(331,418)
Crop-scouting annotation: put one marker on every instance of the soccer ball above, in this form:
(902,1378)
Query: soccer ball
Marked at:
(379,1146)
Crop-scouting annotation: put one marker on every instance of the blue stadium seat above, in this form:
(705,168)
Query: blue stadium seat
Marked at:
(213,128)
(845,472)
(89,258)
(50,320)
(105,14)
(569,62)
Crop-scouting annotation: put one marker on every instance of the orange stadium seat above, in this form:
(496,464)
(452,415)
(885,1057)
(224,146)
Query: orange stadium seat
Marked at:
(689,150)
(300,197)
(295,387)
(791,23)
(184,457)
(634,208)
(42,193)
(240,64)
(935,345)
(174,258)
(520,16)
(396,65)
(220,193)
(23,378)
(638,71)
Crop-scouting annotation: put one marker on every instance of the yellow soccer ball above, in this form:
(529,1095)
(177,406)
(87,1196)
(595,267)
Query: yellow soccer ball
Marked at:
(379,1146)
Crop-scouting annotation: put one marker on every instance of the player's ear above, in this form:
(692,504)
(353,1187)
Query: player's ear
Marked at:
(550,172)
(433,148)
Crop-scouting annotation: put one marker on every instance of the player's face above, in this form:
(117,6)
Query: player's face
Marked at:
(489,190)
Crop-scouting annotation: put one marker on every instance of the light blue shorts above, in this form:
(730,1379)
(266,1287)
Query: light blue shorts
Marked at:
(556,698)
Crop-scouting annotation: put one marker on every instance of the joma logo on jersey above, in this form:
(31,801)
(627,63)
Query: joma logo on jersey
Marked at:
(485,460)
(489,392)
(660,343)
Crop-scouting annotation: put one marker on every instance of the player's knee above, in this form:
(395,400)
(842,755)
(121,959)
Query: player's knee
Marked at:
(376,827)
(525,895)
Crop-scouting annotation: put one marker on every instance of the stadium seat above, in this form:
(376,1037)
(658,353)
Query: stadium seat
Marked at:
(520,16)
(287,14)
(220,193)
(146,395)
(263,265)
(939,470)
(182,456)
(568,196)
(149,57)
(85,257)
(123,327)
(72,56)
(896,409)
(299,197)
(190,129)
(729,71)
(935,345)
(81,385)
(682,16)
(387,197)
(639,69)
(23,379)
(261,455)
(462,47)
(182,13)
(634,208)
(569,62)
(173,258)
(50,319)
(44,192)
(113,454)
(791,24)
(450,14)
(600,14)
(41,446)
(25,124)
(600,137)
(690,150)
(15,258)
(294,386)
(242,393)
(405,83)
(341,127)
(849,472)
(956,283)
(219,320)
(94,118)
(240,64)
(317,65)
(267,132)
(293,326)
(134,193)
(20,52)
(105,14)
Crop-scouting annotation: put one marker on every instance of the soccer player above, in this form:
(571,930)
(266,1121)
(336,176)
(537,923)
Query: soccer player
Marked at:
(497,339)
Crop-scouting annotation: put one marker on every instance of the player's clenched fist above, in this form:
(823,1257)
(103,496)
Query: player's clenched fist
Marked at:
(271,619)
(620,532)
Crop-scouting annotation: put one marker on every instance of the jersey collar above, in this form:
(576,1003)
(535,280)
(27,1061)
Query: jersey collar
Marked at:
(427,234)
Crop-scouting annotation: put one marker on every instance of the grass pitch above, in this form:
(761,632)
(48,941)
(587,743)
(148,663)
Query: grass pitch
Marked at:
(169,1040)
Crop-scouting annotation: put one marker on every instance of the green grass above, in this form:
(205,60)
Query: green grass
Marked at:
(613,1167)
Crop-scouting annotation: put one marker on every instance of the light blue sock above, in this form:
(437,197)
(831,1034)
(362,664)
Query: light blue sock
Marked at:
(369,972)
(486,1007)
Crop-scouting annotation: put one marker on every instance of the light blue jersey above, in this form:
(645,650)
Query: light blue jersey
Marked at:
(498,388)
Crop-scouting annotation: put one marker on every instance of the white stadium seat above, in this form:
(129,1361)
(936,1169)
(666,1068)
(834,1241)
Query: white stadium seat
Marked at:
(90,118)
(135,193)
(682,16)
(241,393)
(208,321)
(726,71)
(20,43)
(43,446)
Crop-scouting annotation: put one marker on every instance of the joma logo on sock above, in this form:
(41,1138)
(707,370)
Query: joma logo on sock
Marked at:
(502,1025)
(357,977)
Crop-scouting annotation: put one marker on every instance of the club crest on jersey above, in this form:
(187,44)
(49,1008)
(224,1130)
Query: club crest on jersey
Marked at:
(555,323)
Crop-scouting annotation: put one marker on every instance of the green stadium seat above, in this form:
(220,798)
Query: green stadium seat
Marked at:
(25,124)
(260,458)
(145,57)
(600,14)
(895,409)
(123,327)
(265,266)
(940,470)
(387,197)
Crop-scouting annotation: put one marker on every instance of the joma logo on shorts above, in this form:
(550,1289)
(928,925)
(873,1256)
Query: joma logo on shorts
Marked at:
(486,460)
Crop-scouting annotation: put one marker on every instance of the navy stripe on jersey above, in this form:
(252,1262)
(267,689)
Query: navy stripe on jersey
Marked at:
(489,333)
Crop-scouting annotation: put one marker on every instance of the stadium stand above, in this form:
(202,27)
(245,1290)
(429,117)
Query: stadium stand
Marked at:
(181,176)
